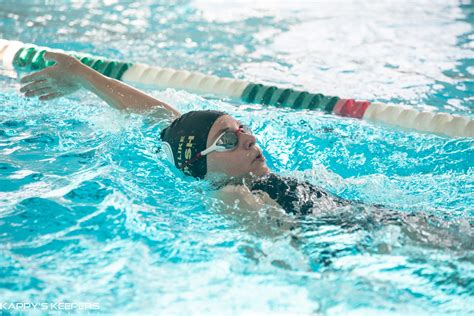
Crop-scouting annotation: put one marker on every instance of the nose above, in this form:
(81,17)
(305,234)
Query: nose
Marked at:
(247,140)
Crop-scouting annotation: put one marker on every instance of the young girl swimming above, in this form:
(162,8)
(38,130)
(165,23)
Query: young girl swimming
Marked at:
(213,145)
(209,145)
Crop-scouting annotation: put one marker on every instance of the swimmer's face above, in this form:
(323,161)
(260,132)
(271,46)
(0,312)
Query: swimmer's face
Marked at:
(246,159)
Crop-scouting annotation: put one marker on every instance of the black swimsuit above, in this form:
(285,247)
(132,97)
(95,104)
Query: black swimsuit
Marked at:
(294,196)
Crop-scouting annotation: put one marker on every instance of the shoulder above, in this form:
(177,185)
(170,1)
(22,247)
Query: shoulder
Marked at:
(241,194)
(257,211)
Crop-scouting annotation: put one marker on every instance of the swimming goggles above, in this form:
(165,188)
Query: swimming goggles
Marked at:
(226,141)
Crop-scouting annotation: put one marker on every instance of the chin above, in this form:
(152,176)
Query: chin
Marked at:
(261,171)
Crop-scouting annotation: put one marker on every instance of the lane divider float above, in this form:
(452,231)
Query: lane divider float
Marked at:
(17,55)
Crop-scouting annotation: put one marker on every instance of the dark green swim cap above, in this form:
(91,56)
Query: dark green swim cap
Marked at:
(186,137)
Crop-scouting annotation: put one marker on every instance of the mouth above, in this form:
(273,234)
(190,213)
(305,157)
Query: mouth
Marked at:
(259,157)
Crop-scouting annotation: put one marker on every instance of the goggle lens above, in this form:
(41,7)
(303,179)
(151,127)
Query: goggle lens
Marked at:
(229,140)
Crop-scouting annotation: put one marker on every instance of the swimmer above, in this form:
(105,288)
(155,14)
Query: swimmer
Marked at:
(209,145)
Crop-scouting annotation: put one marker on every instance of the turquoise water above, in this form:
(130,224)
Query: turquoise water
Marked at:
(90,213)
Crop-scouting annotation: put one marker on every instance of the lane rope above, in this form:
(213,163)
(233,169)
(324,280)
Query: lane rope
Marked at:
(16,55)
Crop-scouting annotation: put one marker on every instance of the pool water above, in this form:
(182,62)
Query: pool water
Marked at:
(90,212)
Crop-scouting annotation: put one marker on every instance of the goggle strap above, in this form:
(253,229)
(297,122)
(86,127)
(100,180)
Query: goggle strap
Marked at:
(208,150)
(199,155)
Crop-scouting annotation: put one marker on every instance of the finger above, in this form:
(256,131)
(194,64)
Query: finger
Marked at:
(39,92)
(34,76)
(39,84)
(50,96)
(52,56)
(40,75)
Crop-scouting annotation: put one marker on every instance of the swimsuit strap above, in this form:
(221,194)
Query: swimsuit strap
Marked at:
(294,196)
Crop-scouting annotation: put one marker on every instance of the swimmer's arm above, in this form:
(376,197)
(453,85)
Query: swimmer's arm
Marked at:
(121,95)
(257,213)
(69,74)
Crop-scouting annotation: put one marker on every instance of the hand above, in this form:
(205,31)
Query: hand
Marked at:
(55,81)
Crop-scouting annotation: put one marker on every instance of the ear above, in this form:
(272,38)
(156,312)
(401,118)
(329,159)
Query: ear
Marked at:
(168,152)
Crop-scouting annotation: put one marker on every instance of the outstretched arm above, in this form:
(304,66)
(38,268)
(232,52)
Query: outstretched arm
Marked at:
(69,74)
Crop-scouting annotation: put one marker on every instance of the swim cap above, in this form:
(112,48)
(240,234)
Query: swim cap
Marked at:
(186,137)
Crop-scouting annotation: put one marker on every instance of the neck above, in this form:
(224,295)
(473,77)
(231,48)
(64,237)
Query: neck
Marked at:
(220,180)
